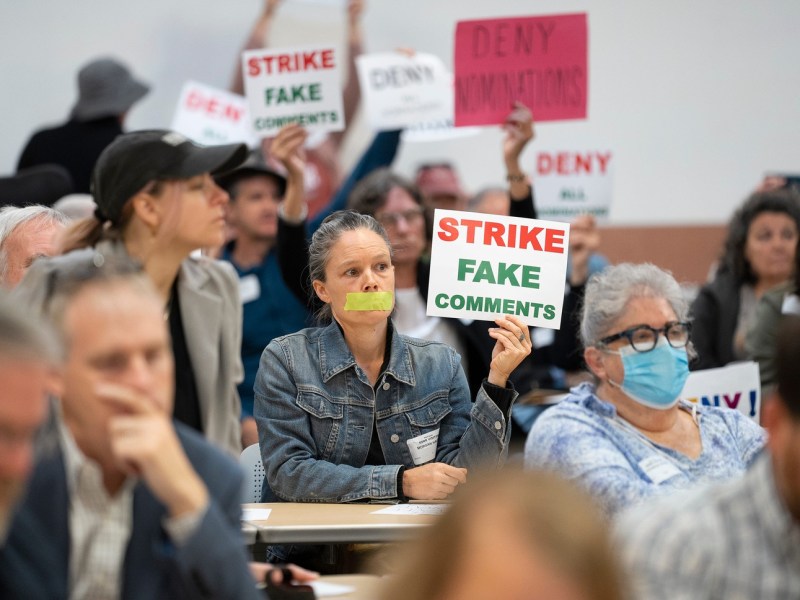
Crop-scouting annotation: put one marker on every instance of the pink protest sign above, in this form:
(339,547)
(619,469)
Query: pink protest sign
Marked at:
(540,61)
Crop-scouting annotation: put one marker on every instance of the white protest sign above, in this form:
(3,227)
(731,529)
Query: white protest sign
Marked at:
(400,90)
(486,266)
(736,386)
(212,116)
(435,131)
(571,181)
(293,85)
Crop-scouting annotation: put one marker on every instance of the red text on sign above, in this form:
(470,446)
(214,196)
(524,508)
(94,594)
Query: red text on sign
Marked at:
(309,60)
(213,107)
(573,163)
(472,231)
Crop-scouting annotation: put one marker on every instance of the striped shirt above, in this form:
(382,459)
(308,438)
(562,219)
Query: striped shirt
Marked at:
(731,541)
(99,525)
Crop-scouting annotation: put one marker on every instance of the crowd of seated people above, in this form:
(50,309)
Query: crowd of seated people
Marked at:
(182,302)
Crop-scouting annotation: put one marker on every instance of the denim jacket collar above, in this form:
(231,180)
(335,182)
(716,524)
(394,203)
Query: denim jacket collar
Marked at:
(334,347)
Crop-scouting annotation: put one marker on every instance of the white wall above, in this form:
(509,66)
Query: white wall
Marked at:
(697,98)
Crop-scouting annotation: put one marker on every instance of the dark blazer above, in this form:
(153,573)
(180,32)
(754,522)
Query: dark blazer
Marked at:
(212,563)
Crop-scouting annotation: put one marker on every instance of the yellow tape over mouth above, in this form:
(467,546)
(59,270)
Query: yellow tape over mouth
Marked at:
(369,301)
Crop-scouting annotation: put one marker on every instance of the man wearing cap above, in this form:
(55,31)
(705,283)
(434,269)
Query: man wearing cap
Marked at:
(106,92)
(268,306)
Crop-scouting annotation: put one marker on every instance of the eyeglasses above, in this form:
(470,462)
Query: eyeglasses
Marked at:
(644,338)
(411,216)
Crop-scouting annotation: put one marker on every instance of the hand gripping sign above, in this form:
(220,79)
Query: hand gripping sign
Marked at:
(486,266)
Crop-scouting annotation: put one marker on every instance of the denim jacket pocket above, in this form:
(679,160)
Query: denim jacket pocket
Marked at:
(326,422)
(435,408)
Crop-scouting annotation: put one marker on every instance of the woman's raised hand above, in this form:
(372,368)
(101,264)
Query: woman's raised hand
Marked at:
(513,344)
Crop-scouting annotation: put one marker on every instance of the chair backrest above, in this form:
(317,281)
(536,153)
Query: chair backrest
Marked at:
(250,461)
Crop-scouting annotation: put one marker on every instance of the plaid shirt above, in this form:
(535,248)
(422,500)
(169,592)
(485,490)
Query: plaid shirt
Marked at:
(733,541)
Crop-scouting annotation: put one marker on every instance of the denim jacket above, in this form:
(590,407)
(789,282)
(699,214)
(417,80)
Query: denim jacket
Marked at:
(315,409)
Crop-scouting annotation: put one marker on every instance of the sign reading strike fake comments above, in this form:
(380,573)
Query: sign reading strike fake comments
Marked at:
(294,85)
(486,266)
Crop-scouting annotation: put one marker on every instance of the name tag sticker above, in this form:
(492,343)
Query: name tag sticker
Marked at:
(249,288)
(658,469)
(423,447)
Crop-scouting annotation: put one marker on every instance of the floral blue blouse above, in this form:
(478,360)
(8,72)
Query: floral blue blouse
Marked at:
(584,439)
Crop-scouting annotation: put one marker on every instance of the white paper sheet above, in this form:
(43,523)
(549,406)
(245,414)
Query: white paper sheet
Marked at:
(323,589)
(412,509)
(255,514)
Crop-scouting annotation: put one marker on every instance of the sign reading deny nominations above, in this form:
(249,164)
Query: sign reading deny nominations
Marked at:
(486,266)
(540,61)
(293,85)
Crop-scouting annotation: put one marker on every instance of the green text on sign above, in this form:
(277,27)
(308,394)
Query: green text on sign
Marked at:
(505,274)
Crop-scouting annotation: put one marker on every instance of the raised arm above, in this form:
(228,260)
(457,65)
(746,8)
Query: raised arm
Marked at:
(352,89)
(291,247)
(519,131)
(257,38)
(380,153)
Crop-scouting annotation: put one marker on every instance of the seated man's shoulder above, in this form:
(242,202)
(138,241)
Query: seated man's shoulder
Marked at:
(676,544)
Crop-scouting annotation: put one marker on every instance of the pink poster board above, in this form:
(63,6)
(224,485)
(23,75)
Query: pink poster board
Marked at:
(540,61)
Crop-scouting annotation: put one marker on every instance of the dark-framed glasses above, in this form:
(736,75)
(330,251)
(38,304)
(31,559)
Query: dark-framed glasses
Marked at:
(644,338)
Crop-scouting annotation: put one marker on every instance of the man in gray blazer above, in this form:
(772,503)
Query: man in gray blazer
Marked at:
(127,504)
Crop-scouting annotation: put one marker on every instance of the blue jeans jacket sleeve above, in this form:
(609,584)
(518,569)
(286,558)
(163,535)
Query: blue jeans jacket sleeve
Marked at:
(381,153)
(472,435)
(316,410)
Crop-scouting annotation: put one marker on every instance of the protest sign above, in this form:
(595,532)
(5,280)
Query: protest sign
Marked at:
(736,386)
(293,85)
(573,181)
(399,90)
(212,116)
(539,61)
(486,266)
(436,131)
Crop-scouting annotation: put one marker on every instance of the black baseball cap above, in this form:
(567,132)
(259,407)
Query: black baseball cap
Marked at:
(135,159)
(253,166)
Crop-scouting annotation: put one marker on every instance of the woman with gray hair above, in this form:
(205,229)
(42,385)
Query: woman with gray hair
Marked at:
(354,410)
(627,436)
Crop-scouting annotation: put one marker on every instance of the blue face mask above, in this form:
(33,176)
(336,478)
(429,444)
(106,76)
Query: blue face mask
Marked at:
(654,378)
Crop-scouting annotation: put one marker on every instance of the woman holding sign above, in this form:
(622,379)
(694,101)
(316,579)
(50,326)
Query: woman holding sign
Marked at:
(627,436)
(354,410)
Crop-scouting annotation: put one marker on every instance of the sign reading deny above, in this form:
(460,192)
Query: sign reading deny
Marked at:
(539,61)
